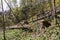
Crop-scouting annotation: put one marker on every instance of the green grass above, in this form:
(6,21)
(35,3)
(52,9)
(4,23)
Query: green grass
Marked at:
(52,33)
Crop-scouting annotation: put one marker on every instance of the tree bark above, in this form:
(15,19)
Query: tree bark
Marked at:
(53,13)
(3,22)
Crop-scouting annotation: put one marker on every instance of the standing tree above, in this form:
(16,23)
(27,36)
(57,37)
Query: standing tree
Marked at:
(54,11)
(3,22)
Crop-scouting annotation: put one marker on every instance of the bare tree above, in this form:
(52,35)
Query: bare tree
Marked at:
(3,20)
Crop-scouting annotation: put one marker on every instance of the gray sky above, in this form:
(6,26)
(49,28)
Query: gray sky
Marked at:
(5,5)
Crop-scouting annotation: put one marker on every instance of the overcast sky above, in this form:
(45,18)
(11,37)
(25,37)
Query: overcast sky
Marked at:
(5,5)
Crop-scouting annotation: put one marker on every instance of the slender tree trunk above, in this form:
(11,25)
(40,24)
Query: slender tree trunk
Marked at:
(53,14)
(3,20)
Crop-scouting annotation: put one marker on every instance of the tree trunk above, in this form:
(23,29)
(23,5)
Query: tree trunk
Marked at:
(53,13)
(3,22)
